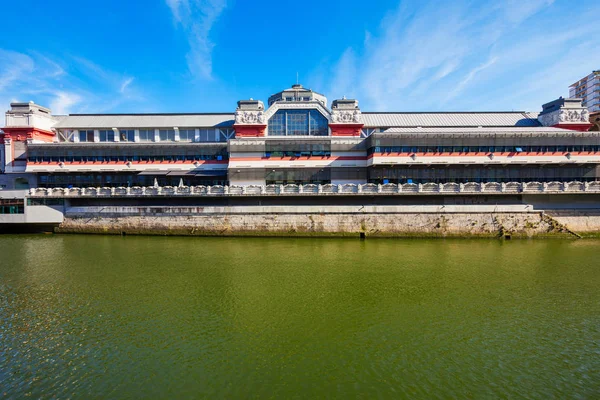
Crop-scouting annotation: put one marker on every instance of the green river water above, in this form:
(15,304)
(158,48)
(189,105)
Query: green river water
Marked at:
(166,317)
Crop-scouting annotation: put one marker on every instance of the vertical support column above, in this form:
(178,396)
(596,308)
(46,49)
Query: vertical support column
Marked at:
(96,136)
(197,135)
(7,155)
(177,137)
(136,135)
(156,135)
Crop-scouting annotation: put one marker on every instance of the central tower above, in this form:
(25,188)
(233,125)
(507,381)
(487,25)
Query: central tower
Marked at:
(298,111)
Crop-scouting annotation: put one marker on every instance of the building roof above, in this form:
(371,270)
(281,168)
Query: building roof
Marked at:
(90,121)
(482,130)
(386,120)
(451,119)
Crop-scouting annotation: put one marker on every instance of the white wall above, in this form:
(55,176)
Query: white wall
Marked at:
(348,181)
(43,214)
(35,215)
(247,182)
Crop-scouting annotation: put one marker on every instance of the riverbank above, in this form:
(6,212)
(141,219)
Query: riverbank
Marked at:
(500,215)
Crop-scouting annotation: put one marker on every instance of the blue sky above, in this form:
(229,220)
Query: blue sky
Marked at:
(204,55)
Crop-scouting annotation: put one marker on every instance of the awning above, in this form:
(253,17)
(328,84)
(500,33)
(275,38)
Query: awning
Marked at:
(216,172)
(181,173)
(157,173)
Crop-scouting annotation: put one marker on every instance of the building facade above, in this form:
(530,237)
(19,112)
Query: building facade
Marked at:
(588,90)
(297,139)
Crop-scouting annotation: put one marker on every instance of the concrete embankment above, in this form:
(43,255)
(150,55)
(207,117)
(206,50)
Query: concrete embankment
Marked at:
(223,221)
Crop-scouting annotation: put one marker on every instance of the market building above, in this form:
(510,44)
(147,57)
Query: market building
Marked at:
(298,138)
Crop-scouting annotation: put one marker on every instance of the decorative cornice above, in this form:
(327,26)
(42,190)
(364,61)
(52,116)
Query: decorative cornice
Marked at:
(346,116)
(315,105)
(565,115)
(250,118)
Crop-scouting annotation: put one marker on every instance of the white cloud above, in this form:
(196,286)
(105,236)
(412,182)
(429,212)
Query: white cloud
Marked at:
(175,6)
(446,69)
(63,102)
(125,84)
(470,76)
(517,11)
(15,67)
(82,86)
(427,57)
(342,81)
(197,17)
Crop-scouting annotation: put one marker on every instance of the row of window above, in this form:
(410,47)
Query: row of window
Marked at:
(273,146)
(484,149)
(481,174)
(12,206)
(125,180)
(134,158)
(307,175)
(402,181)
(12,210)
(149,135)
(298,154)
(45,202)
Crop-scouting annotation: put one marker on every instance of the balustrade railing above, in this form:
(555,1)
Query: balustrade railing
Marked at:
(320,190)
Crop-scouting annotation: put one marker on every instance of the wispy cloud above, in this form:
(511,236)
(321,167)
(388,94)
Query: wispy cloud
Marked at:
(125,84)
(176,6)
(470,76)
(78,86)
(197,18)
(15,66)
(63,101)
(428,57)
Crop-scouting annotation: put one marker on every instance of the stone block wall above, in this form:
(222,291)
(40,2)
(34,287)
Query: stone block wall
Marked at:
(535,224)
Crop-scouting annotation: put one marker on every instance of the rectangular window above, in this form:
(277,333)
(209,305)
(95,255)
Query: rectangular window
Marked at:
(167,135)
(65,135)
(146,135)
(225,134)
(86,136)
(9,206)
(277,124)
(107,136)
(297,124)
(207,135)
(127,135)
(187,135)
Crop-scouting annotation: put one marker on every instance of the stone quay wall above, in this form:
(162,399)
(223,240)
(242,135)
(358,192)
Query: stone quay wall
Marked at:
(532,209)
(430,224)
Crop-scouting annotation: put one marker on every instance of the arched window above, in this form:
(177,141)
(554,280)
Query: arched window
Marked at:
(298,123)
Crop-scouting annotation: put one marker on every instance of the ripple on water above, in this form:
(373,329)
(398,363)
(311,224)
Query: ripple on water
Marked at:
(92,316)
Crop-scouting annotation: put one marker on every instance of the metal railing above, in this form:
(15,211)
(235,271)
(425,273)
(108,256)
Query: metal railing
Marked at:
(329,189)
